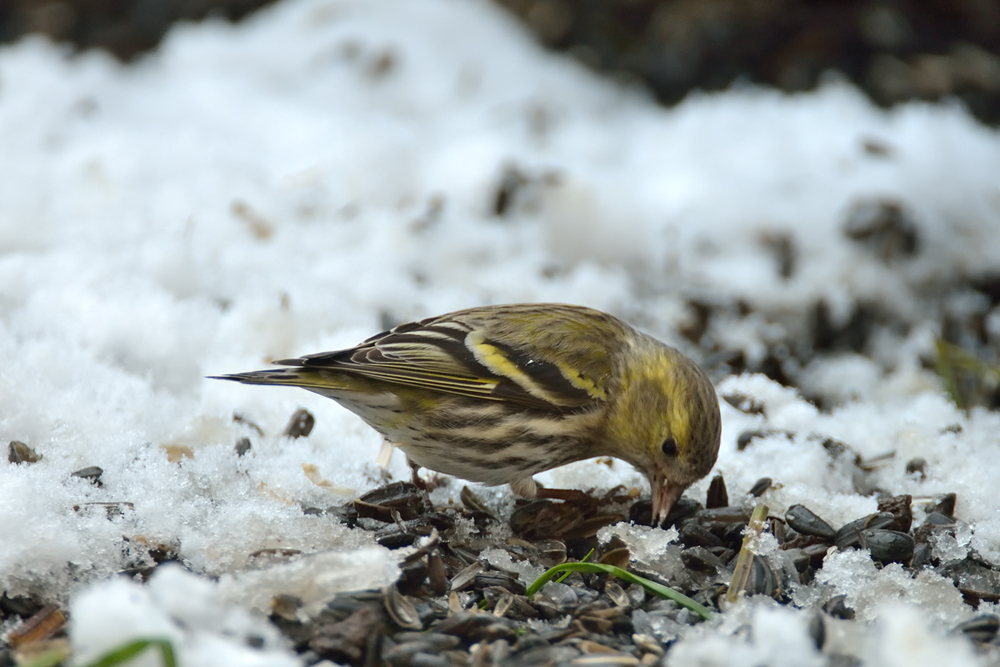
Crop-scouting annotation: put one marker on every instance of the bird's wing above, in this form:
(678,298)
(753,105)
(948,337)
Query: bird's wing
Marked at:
(541,356)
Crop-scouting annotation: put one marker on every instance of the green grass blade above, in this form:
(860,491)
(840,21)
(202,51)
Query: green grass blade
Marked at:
(624,575)
(128,651)
(582,560)
(114,657)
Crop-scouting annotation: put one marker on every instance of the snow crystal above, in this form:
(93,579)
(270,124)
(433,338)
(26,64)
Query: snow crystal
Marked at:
(179,606)
(645,544)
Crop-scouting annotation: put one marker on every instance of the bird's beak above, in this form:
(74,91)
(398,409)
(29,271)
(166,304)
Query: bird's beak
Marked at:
(665,494)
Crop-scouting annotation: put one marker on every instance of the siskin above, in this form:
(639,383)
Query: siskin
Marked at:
(499,393)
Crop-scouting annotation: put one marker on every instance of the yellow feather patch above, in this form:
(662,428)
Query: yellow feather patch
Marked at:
(497,362)
(581,382)
(678,416)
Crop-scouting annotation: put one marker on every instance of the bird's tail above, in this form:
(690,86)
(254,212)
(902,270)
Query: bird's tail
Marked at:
(291,377)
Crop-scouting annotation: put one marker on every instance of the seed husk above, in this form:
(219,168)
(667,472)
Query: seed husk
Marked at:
(850,534)
(300,424)
(805,521)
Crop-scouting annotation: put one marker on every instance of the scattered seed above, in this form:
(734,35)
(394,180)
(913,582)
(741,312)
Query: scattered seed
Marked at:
(406,498)
(816,553)
(731,514)
(701,559)
(511,181)
(473,502)
(267,557)
(466,577)
(177,453)
(696,534)
(242,446)
(477,626)
(876,462)
(888,546)
(837,607)
(401,610)
(551,552)
(19,605)
(717,495)
(617,557)
(817,630)
(760,486)
(648,644)
(502,605)
(803,520)
(850,534)
(92,474)
(347,641)
(923,555)
(617,595)
(981,629)
(240,419)
(312,473)
(45,623)
(746,437)
(878,148)
(111,510)
(18,452)
(885,227)
(286,607)
(258,226)
(945,505)
(762,580)
(505,580)
(901,508)
(918,467)
(799,558)
(300,424)
(746,404)
(641,512)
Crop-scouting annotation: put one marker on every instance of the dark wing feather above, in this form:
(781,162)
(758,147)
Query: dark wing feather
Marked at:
(542,356)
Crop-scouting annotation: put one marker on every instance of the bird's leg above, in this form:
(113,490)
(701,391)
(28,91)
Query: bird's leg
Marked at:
(524,487)
(415,469)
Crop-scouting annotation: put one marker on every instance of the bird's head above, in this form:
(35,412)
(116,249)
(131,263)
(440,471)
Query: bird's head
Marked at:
(665,420)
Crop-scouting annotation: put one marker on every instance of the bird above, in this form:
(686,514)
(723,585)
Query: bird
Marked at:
(496,394)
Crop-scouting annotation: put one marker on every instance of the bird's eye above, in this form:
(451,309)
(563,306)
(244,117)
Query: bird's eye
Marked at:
(669,447)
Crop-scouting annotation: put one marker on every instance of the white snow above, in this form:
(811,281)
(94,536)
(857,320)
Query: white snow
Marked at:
(290,184)
(646,544)
(181,607)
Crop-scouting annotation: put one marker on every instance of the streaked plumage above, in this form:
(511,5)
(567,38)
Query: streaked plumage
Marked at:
(499,393)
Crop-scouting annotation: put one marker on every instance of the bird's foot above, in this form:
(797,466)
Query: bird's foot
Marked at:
(415,474)
(427,485)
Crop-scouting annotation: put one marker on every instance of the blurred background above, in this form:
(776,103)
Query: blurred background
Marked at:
(894,50)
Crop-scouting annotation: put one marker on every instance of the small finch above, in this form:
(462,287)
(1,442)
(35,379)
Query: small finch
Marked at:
(499,393)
